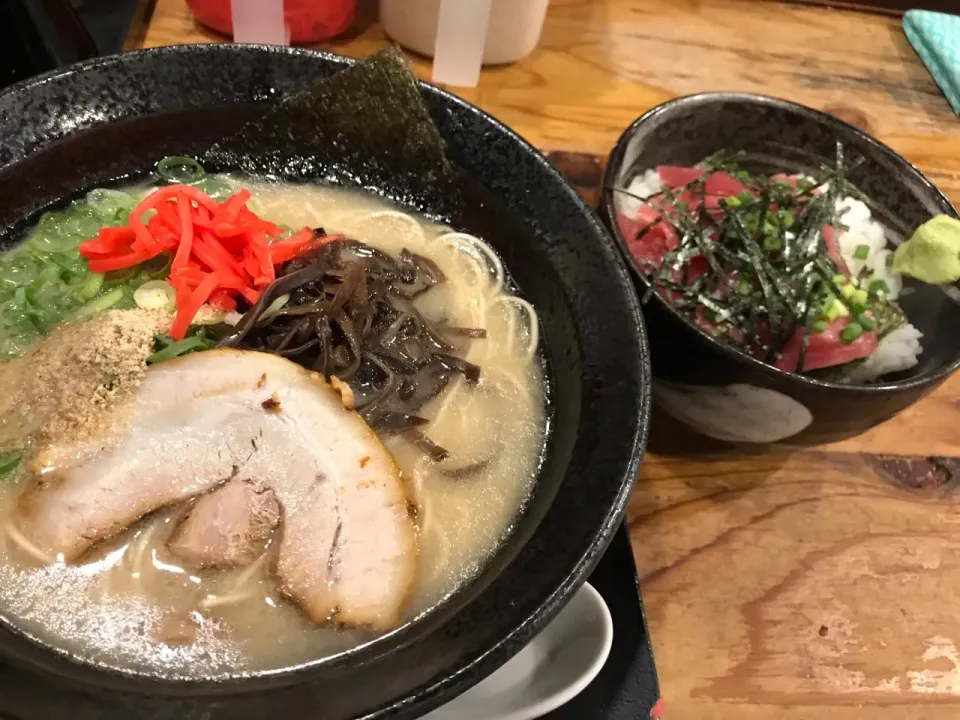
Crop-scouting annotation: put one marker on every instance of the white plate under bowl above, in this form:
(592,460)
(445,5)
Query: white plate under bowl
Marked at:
(550,671)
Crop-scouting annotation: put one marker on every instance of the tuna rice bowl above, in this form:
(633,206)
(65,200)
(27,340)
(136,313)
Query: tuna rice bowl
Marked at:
(791,269)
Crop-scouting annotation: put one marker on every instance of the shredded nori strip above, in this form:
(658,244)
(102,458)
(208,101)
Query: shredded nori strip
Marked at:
(350,314)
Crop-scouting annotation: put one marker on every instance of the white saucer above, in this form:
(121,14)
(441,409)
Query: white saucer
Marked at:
(555,667)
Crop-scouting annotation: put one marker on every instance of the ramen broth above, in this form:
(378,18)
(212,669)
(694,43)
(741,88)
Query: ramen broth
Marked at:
(131,604)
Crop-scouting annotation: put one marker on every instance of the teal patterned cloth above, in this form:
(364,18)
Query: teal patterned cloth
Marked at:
(936,38)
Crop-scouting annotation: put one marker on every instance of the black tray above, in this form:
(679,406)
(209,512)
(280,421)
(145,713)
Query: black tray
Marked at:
(627,686)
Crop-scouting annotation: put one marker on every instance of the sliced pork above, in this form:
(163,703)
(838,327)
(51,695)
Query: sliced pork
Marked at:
(228,527)
(346,546)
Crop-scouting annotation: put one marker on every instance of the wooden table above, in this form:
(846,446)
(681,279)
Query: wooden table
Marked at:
(817,584)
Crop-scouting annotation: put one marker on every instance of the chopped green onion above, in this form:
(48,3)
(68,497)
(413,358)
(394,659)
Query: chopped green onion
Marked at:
(771,242)
(850,333)
(878,286)
(861,252)
(111,206)
(180,169)
(155,295)
(173,349)
(866,322)
(733,202)
(217,188)
(119,277)
(90,288)
(859,297)
(275,307)
(156,268)
(839,280)
(835,310)
(847,290)
(819,326)
(743,287)
(44,280)
(104,302)
(9,462)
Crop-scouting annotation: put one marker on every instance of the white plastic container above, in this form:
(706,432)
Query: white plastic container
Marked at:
(259,21)
(462,35)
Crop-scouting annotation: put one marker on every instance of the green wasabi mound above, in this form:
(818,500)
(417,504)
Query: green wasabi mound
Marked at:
(932,255)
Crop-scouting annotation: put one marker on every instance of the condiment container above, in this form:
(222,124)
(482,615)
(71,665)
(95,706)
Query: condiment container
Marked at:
(462,35)
(277,22)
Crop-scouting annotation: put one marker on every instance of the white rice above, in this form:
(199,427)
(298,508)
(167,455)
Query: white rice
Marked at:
(641,187)
(900,349)
(864,230)
(897,351)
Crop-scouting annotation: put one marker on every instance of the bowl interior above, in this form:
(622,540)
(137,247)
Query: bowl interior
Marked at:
(777,136)
(114,117)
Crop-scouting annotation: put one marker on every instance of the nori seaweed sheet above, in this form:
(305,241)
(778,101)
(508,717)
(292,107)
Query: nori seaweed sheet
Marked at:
(366,126)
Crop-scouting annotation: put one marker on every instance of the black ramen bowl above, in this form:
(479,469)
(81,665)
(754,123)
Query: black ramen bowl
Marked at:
(715,389)
(113,117)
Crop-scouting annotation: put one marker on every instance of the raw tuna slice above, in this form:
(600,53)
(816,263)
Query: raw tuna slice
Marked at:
(674,176)
(716,186)
(723,184)
(649,249)
(830,240)
(826,349)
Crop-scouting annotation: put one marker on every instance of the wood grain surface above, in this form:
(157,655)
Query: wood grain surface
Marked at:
(814,584)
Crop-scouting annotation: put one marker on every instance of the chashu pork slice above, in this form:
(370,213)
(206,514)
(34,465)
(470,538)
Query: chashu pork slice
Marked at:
(228,527)
(346,544)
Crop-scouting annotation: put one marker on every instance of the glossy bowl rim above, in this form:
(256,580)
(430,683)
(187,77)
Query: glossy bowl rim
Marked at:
(552,599)
(700,102)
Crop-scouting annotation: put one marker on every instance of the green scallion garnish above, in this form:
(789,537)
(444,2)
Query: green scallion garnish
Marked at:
(878,286)
(180,169)
(850,333)
(170,349)
(9,462)
(861,252)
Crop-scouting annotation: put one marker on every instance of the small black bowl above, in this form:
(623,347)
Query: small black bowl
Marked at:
(721,392)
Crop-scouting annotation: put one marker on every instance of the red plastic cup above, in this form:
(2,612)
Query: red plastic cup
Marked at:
(307,20)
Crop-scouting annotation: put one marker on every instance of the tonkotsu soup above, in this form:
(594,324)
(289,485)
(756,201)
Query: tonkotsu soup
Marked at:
(177,509)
